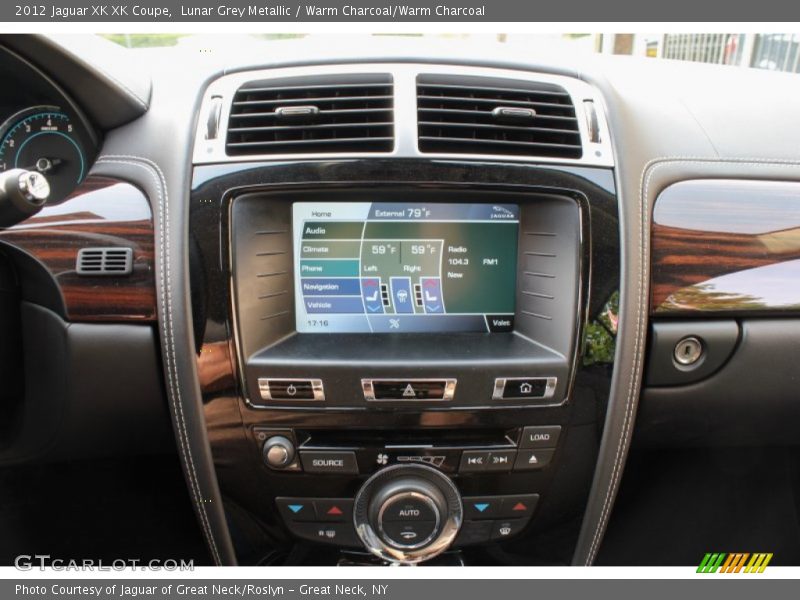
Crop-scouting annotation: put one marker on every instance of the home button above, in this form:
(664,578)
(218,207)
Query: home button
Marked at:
(524,388)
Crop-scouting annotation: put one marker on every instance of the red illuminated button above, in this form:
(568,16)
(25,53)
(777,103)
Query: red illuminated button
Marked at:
(517,507)
(333,509)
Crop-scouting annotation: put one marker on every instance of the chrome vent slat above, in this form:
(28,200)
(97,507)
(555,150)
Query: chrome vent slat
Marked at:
(546,89)
(304,100)
(457,115)
(306,88)
(317,141)
(488,114)
(319,126)
(353,112)
(344,111)
(498,127)
(498,142)
(492,101)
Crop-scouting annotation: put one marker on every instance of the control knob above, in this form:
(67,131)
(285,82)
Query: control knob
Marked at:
(278,452)
(407,513)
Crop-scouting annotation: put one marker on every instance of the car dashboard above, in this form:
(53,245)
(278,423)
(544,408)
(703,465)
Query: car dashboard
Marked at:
(404,309)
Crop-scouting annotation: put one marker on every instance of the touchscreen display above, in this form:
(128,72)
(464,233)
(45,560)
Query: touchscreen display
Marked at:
(371,267)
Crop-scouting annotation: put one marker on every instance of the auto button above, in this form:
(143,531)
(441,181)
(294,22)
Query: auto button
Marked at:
(409,507)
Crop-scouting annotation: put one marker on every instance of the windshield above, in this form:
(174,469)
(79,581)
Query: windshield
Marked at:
(769,51)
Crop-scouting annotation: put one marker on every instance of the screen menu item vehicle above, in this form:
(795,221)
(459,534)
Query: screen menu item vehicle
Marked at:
(372,267)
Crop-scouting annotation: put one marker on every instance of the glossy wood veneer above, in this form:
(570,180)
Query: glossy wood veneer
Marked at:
(102,212)
(726,246)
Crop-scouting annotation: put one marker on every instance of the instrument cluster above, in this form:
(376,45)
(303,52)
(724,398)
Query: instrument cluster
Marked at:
(41,130)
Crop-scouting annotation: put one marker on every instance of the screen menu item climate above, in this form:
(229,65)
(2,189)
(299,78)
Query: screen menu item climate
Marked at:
(370,267)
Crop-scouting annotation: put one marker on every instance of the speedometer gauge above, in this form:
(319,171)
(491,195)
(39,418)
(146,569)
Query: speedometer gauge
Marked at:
(44,139)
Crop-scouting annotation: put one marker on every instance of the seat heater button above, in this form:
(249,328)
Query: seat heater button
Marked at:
(323,461)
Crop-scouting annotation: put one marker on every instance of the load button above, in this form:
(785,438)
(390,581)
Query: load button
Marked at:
(324,461)
(540,437)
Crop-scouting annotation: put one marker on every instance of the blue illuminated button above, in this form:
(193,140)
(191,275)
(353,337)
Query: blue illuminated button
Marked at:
(330,286)
(296,509)
(482,507)
(371,293)
(334,305)
(402,295)
(432,295)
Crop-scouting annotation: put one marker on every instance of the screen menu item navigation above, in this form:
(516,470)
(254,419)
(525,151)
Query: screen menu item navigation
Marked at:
(363,267)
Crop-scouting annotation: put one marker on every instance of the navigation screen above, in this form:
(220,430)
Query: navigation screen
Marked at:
(405,267)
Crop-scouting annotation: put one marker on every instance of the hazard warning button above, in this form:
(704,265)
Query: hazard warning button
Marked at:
(408,389)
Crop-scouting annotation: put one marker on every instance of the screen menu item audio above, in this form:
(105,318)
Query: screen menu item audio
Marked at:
(364,267)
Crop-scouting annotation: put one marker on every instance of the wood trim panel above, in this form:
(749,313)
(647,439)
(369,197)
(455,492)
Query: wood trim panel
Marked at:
(726,246)
(102,212)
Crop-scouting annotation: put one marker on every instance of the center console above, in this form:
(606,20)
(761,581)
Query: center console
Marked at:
(403,357)
(410,385)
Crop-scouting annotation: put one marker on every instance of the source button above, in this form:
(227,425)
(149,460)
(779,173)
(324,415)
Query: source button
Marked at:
(324,461)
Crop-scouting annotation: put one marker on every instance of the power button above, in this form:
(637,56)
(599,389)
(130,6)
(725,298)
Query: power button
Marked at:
(291,389)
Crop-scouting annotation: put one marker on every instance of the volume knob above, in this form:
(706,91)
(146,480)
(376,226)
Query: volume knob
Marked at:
(278,452)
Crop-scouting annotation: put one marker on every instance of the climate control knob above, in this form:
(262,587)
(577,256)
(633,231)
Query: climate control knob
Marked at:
(407,513)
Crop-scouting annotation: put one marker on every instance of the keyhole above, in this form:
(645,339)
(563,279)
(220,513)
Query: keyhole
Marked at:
(688,351)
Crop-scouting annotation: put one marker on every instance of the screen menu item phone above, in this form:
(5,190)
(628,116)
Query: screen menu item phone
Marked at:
(372,267)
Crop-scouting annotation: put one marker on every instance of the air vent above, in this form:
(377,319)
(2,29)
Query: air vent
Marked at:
(480,115)
(105,261)
(318,114)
